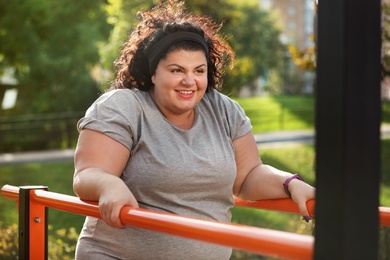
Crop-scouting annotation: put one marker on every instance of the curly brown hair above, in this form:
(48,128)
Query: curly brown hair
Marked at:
(132,66)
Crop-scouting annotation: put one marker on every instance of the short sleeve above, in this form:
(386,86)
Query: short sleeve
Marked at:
(106,115)
(239,123)
(236,123)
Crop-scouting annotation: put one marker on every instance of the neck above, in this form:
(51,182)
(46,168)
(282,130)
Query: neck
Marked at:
(183,121)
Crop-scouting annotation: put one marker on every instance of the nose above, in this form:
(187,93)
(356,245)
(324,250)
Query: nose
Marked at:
(188,79)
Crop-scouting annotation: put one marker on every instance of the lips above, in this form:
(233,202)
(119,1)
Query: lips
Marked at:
(185,93)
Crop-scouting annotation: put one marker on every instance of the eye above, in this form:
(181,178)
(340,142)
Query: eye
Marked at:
(176,70)
(199,71)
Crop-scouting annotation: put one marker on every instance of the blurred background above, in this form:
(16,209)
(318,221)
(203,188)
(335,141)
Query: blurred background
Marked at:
(56,58)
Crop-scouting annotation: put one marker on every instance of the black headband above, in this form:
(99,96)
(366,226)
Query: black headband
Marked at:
(159,49)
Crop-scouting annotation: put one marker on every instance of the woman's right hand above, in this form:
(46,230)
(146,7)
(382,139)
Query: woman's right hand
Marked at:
(112,200)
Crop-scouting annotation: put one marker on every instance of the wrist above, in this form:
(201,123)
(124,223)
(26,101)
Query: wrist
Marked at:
(287,182)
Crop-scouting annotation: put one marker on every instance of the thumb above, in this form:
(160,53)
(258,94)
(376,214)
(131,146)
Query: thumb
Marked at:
(303,210)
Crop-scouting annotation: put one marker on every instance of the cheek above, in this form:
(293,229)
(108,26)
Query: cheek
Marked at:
(205,82)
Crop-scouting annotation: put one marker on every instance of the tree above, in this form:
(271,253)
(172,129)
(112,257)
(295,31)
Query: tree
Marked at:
(255,39)
(304,59)
(52,46)
(122,16)
(250,31)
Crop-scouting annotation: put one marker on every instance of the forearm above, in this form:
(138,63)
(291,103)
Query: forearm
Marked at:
(91,183)
(264,182)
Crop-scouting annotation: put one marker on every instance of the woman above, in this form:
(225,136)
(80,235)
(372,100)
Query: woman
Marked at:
(163,138)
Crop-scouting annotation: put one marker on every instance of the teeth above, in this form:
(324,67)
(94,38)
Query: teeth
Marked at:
(185,92)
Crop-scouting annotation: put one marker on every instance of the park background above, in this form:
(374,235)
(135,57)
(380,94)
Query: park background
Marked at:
(56,58)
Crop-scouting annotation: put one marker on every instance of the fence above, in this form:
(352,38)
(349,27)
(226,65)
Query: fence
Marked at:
(39,132)
(34,201)
(58,130)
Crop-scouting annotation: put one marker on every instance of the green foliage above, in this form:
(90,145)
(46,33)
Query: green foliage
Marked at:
(122,16)
(304,59)
(62,51)
(52,47)
(61,244)
(255,39)
(250,31)
(9,242)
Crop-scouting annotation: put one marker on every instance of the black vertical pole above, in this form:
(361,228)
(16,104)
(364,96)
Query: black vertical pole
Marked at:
(24,222)
(24,214)
(348,129)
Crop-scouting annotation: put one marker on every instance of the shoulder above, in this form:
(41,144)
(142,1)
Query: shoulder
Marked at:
(220,100)
(228,112)
(122,99)
(120,95)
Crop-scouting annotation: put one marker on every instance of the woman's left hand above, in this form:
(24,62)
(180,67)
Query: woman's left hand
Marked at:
(301,192)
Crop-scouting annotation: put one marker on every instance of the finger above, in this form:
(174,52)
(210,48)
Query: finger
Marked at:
(114,218)
(304,212)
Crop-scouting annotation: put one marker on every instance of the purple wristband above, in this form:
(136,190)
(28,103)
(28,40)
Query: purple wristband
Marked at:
(286,182)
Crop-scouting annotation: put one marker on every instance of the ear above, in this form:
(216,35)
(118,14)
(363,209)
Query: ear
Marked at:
(154,79)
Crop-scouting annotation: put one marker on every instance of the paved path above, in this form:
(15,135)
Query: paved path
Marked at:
(265,140)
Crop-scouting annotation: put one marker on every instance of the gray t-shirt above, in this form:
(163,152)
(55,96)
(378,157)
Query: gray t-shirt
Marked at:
(185,172)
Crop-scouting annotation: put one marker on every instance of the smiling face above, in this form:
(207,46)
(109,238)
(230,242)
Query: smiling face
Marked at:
(180,82)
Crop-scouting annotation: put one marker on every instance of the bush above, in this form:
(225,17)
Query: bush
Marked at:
(9,242)
(61,243)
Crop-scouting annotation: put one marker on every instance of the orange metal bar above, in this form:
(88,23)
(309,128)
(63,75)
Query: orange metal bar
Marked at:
(283,205)
(384,216)
(257,240)
(262,241)
(67,203)
(10,192)
(37,226)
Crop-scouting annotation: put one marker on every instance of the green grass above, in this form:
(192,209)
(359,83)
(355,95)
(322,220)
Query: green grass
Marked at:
(58,178)
(279,113)
(287,113)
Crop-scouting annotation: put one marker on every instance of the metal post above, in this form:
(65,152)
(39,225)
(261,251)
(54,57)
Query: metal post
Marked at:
(348,129)
(32,225)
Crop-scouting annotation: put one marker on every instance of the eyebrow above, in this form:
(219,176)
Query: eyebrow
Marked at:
(197,67)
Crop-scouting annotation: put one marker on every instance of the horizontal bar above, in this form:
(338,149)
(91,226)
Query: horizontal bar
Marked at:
(261,241)
(78,206)
(10,192)
(384,216)
(282,205)
(257,240)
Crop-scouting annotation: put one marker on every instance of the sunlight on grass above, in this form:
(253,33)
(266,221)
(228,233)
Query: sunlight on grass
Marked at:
(279,113)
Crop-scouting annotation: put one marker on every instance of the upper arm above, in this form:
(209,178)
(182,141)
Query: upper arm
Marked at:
(97,150)
(247,158)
